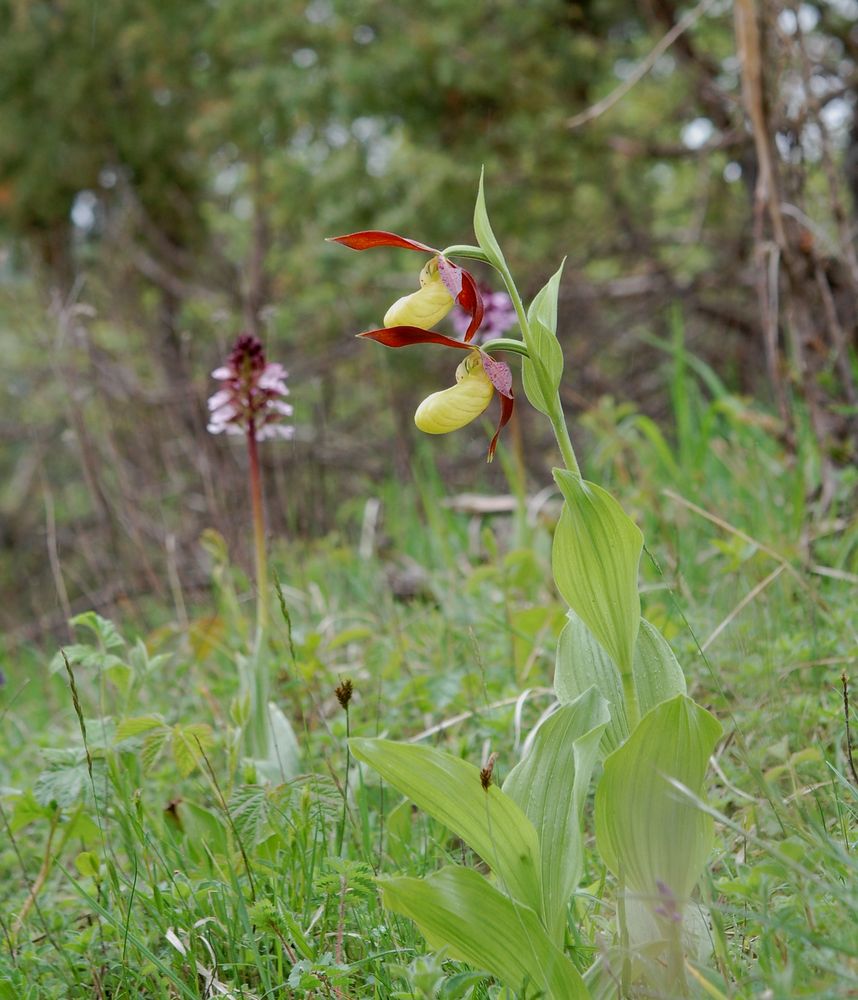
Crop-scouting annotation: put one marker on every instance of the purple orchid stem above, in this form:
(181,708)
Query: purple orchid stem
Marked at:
(258,516)
(257,681)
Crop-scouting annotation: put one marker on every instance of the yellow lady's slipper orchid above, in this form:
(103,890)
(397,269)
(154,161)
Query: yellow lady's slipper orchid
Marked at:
(452,408)
(425,307)
(409,320)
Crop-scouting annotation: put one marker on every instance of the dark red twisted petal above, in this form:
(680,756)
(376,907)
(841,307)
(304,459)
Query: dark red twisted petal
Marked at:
(369,238)
(405,336)
(507,406)
(472,302)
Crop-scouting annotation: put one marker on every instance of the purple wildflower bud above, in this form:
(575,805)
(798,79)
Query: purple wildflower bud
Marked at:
(498,317)
(252,395)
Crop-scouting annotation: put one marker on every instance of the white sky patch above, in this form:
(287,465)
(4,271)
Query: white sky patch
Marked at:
(365,128)
(83,210)
(661,173)
(242,208)
(337,135)
(697,133)
(379,156)
(847,9)
(732,172)
(808,17)
(811,142)
(664,66)
(788,22)
(319,11)
(363,34)
(836,114)
(228,179)
(304,58)
(623,68)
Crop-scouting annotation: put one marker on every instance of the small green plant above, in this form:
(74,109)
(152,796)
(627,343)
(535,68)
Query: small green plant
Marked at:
(621,694)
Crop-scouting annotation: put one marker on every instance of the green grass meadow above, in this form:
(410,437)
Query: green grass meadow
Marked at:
(137,860)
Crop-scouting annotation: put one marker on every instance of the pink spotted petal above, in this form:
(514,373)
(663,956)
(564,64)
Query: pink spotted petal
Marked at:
(452,276)
(499,375)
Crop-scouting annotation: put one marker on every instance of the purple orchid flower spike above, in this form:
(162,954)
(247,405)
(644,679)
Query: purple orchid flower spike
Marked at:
(252,398)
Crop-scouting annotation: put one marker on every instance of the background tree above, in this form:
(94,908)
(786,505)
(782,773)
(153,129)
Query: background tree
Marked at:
(168,173)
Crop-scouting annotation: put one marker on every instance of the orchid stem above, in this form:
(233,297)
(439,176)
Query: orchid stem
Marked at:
(630,698)
(258,531)
(555,414)
(258,676)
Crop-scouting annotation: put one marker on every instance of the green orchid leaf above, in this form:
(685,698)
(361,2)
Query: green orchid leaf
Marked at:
(649,832)
(542,371)
(582,663)
(658,675)
(461,912)
(449,789)
(550,784)
(595,557)
(483,231)
(544,304)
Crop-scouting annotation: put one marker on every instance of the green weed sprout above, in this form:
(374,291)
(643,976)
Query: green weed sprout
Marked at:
(621,694)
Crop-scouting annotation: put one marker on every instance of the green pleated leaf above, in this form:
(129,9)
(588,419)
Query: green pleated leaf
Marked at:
(461,912)
(544,304)
(550,784)
(658,675)
(542,371)
(649,833)
(483,230)
(595,557)
(582,663)
(449,789)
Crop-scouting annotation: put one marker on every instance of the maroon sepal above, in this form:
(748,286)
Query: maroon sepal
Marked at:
(507,406)
(472,302)
(405,336)
(369,238)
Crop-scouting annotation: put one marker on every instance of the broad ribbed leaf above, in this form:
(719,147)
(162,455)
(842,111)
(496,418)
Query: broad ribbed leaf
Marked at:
(449,789)
(459,911)
(658,675)
(542,371)
(595,557)
(582,663)
(550,784)
(649,832)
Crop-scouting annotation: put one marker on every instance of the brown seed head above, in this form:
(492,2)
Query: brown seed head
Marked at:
(486,773)
(344,691)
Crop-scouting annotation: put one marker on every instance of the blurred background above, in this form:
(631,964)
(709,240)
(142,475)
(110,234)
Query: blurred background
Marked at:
(169,172)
